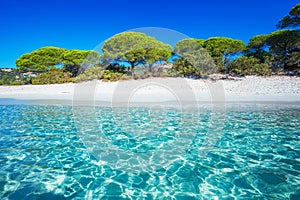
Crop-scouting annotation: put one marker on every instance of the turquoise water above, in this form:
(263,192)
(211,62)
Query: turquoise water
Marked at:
(48,152)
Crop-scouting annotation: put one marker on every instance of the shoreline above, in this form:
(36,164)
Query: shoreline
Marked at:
(253,89)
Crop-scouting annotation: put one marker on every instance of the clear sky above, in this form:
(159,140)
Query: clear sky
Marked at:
(27,25)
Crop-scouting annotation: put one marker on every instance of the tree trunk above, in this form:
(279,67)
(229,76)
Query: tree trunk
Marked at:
(225,64)
(132,70)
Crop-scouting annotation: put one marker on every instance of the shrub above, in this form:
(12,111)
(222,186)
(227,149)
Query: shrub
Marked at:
(91,73)
(113,76)
(183,68)
(113,72)
(10,78)
(161,72)
(53,76)
(245,65)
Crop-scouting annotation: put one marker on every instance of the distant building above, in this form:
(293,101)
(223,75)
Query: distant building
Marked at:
(165,66)
(29,74)
(6,69)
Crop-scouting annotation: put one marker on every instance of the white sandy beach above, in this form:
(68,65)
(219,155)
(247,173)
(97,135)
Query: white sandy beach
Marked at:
(248,89)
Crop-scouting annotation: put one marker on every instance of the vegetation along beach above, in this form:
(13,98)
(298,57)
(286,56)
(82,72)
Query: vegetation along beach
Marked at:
(207,108)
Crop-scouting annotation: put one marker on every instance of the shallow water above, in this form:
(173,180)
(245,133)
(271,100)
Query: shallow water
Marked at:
(53,152)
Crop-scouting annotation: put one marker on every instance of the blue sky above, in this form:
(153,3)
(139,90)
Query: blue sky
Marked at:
(27,25)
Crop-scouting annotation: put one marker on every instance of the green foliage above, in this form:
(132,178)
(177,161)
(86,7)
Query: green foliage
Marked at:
(201,42)
(113,76)
(116,68)
(41,60)
(26,79)
(258,48)
(282,44)
(10,78)
(52,76)
(114,73)
(280,48)
(14,77)
(293,64)
(76,60)
(194,59)
(182,67)
(283,41)
(258,42)
(245,65)
(135,48)
(204,57)
(161,72)
(157,54)
(221,49)
(90,73)
(292,20)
